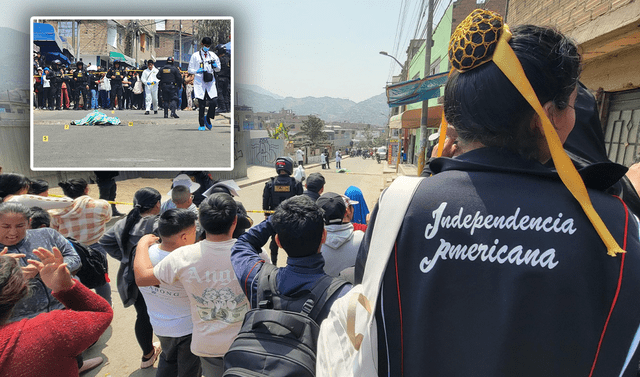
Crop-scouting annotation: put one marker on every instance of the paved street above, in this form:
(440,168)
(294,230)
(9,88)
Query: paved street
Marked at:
(150,142)
(118,345)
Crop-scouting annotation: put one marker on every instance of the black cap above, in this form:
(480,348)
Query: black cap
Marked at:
(315,182)
(333,206)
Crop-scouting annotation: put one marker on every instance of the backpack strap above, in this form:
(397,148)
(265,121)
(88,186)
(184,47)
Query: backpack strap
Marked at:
(322,291)
(266,285)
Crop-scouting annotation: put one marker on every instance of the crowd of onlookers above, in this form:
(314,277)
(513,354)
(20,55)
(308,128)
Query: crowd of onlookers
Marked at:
(200,234)
(58,86)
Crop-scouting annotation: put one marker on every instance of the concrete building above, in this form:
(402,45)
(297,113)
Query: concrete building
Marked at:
(608,35)
(404,124)
(175,37)
(101,41)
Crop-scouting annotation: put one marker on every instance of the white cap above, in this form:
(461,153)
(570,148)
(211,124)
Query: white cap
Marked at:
(230,185)
(184,180)
(434,136)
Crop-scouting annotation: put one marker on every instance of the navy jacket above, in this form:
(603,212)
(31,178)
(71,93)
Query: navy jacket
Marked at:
(298,275)
(498,272)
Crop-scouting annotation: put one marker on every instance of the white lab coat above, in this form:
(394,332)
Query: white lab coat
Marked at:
(199,86)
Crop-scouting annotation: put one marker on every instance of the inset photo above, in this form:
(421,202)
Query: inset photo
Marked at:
(132,93)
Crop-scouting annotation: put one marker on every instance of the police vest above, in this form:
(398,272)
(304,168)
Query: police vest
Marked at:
(119,75)
(166,75)
(282,188)
(81,76)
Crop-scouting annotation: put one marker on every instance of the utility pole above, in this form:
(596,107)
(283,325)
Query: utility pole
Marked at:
(180,47)
(425,104)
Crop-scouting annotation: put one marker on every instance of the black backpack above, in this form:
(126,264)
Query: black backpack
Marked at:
(95,269)
(280,337)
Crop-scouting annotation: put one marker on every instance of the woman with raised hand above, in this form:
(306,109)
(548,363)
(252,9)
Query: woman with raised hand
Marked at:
(17,238)
(502,266)
(120,242)
(50,341)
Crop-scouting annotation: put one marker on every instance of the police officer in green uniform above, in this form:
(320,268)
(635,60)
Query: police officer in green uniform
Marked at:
(170,83)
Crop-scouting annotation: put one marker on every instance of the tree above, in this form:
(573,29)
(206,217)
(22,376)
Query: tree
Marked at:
(218,30)
(312,127)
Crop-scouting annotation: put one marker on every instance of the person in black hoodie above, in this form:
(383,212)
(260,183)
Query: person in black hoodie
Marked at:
(497,269)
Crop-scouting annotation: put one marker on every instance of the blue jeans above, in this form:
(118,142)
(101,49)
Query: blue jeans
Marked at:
(180,98)
(94,99)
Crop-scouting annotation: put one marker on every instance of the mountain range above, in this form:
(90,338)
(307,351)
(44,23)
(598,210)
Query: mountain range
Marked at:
(373,111)
(15,64)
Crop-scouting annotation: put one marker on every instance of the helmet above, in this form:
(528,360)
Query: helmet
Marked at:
(284,163)
(79,63)
(57,61)
(116,62)
(170,61)
(220,49)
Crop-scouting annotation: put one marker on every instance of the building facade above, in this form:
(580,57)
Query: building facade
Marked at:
(608,35)
(102,41)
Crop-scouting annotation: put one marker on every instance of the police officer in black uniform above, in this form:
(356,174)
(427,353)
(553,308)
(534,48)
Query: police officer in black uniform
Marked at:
(56,76)
(223,80)
(81,81)
(170,83)
(116,75)
(277,190)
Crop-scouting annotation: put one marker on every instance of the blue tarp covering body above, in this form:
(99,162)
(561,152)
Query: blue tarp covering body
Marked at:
(44,35)
(416,90)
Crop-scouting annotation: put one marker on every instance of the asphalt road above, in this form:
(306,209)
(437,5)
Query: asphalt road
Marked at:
(140,142)
(118,345)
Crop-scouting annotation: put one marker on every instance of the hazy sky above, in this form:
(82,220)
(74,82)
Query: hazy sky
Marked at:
(291,48)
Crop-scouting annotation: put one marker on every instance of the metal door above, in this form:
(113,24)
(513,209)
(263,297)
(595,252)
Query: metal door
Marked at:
(623,128)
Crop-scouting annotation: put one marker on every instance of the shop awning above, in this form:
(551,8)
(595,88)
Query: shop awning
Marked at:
(411,118)
(113,55)
(51,46)
(416,90)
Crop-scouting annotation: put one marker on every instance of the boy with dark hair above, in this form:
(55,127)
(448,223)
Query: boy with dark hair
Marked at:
(217,302)
(168,305)
(298,226)
(39,218)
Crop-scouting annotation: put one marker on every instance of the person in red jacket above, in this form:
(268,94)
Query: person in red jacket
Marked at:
(31,347)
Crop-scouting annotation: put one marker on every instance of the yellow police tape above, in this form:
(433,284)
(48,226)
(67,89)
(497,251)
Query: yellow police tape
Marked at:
(130,204)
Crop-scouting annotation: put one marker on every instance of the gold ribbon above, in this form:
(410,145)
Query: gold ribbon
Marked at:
(508,62)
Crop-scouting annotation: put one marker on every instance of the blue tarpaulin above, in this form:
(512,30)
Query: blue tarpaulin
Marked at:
(44,35)
(416,90)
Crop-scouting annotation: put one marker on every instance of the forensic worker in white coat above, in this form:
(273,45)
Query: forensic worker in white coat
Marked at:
(202,65)
(150,81)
